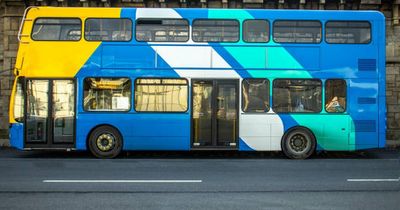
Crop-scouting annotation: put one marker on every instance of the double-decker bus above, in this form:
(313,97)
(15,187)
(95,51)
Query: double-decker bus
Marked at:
(114,79)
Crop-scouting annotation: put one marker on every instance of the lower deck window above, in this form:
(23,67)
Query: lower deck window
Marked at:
(107,94)
(335,95)
(297,95)
(255,95)
(161,95)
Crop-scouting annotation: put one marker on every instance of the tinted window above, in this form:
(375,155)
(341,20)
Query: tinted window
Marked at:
(289,31)
(162,30)
(52,29)
(102,29)
(348,32)
(297,95)
(335,95)
(255,95)
(256,31)
(215,31)
(107,94)
(161,95)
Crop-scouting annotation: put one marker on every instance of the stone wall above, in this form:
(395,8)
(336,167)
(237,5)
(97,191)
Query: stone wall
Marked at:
(12,10)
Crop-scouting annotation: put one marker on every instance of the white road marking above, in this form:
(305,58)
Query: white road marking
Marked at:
(372,180)
(121,181)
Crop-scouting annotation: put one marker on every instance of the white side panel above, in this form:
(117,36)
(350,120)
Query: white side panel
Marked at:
(205,74)
(218,61)
(261,131)
(156,13)
(185,56)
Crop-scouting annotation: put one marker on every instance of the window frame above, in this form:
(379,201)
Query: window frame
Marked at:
(43,40)
(269,31)
(106,111)
(269,96)
(322,92)
(188,29)
(277,20)
(370,26)
(161,78)
(216,19)
(90,18)
(345,109)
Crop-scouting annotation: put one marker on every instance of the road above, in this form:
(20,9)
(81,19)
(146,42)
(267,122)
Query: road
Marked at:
(208,180)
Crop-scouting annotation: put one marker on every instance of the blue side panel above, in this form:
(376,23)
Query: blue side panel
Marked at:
(288,121)
(17,135)
(148,131)
(243,146)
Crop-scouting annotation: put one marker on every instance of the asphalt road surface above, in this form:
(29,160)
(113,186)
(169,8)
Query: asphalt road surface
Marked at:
(199,180)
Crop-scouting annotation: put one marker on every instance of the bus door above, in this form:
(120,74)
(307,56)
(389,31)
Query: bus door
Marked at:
(49,113)
(215,113)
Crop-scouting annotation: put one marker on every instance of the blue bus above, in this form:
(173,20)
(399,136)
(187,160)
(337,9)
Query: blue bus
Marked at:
(114,79)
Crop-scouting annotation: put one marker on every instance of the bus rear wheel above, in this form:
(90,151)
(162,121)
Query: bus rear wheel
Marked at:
(298,143)
(105,142)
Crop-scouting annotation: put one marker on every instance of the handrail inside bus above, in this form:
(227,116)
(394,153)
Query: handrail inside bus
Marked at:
(23,21)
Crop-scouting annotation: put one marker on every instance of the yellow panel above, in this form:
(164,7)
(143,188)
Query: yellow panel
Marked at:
(57,58)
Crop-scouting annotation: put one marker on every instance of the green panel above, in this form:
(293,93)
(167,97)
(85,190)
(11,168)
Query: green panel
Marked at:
(229,14)
(331,130)
(280,58)
(249,57)
(272,74)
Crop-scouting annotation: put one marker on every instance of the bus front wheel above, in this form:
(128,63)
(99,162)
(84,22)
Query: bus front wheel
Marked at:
(298,143)
(105,142)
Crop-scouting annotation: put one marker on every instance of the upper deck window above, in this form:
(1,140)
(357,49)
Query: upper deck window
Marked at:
(348,32)
(215,30)
(108,29)
(297,31)
(57,29)
(256,31)
(162,30)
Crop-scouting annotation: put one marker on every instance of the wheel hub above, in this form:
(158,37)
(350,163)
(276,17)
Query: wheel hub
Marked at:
(298,143)
(105,142)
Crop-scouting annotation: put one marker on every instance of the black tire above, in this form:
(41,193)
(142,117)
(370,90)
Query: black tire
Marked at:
(105,142)
(298,143)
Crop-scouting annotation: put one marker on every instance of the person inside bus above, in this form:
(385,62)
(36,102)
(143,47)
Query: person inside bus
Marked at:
(334,105)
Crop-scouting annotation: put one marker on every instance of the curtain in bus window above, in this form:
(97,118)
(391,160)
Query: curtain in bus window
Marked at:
(107,94)
(161,95)
(255,95)
(162,30)
(297,95)
(52,29)
(108,29)
(348,32)
(215,30)
(289,31)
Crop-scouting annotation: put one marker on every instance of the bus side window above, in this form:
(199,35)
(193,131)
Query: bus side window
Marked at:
(256,31)
(335,95)
(297,31)
(297,95)
(162,30)
(107,94)
(348,32)
(255,95)
(57,29)
(108,29)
